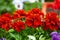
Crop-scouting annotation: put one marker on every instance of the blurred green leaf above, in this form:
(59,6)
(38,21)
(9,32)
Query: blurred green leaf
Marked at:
(11,30)
(16,36)
(42,38)
(28,6)
(2,33)
(8,5)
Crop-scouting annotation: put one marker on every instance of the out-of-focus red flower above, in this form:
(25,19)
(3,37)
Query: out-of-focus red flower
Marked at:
(51,21)
(18,26)
(56,4)
(19,14)
(33,19)
(49,5)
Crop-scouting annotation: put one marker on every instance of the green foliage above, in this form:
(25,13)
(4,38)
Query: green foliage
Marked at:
(42,38)
(28,6)
(39,33)
(2,33)
(6,6)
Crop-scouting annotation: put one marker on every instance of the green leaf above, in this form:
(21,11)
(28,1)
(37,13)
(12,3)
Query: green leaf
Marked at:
(11,30)
(16,36)
(42,38)
(48,39)
(7,5)
(2,33)
(41,30)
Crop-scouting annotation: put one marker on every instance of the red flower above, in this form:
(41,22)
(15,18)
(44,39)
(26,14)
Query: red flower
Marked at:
(5,22)
(56,4)
(7,15)
(51,21)
(19,14)
(49,5)
(34,18)
(18,26)
(34,22)
(36,11)
(5,26)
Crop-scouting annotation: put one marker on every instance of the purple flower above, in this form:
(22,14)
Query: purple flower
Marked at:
(54,33)
(2,39)
(55,36)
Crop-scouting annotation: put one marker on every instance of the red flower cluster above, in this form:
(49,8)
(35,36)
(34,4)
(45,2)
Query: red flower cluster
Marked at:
(18,25)
(34,18)
(5,21)
(51,21)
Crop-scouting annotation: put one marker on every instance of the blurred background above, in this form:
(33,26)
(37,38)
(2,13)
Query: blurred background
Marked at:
(12,5)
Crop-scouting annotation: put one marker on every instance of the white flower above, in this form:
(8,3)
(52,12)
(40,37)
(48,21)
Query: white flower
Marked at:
(31,37)
(18,4)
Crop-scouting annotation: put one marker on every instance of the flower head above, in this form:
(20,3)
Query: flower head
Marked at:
(51,21)
(19,14)
(5,21)
(55,36)
(54,33)
(56,4)
(36,11)
(18,25)
(33,19)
